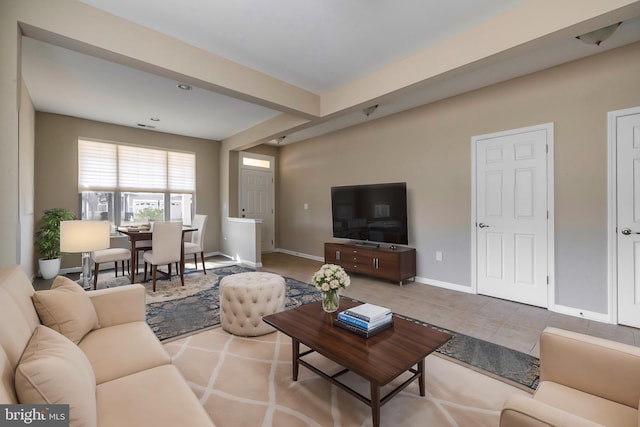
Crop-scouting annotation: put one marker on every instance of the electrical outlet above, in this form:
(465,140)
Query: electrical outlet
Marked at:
(438,255)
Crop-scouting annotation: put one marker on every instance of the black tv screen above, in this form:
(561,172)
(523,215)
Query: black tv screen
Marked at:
(376,212)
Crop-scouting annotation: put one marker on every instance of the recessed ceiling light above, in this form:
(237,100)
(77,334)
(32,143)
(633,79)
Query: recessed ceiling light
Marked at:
(154,119)
(183,86)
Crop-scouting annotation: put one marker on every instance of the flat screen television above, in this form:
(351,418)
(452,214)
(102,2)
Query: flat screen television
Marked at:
(374,213)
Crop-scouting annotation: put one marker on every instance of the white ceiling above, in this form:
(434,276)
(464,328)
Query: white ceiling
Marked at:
(315,45)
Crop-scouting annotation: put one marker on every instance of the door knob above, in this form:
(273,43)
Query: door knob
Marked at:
(483,225)
(627,231)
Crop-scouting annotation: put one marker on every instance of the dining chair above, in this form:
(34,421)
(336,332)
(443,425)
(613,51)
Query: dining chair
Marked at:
(196,245)
(166,248)
(109,255)
(141,246)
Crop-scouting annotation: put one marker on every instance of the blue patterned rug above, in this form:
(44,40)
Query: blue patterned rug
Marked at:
(517,367)
(177,317)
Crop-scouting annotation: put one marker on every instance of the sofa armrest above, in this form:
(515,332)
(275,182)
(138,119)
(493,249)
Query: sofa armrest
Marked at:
(523,411)
(597,366)
(115,306)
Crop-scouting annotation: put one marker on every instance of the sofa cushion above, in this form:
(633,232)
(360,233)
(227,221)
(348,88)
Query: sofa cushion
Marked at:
(121,350)
(590,364)
(53,370)
(66,308)
(594,408)
(155,397)
(18,317)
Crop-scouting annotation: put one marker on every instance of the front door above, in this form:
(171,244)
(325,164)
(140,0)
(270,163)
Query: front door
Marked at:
(626,126)
(257,195)
(512,214)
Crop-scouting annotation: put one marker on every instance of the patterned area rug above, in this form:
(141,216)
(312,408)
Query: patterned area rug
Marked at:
(166,289)
(248,382)
(174,311)
(516,367)
(176,317)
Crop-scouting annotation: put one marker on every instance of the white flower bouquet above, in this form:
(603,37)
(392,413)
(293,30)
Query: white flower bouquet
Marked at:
(330,279)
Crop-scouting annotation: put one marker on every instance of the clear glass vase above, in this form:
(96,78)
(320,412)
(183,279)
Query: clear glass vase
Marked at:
(331,300)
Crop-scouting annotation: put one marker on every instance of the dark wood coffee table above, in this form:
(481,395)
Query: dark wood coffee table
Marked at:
(379,359)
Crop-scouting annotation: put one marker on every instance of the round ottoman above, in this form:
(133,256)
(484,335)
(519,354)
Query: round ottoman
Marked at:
(245,298)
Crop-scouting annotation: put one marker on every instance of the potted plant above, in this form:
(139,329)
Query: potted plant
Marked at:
(48,240)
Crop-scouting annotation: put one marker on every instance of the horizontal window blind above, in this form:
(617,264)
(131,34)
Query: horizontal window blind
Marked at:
(114,167)
(97,166)
(141,169)
(182,172)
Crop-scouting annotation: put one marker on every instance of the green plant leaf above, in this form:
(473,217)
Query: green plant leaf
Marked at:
(48,234)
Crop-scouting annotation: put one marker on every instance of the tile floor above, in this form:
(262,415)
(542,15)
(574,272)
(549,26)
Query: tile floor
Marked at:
(507,323)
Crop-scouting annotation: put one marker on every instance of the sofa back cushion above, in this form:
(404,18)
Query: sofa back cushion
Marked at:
(18,319)
(66,308)
(592,365)
(53,370)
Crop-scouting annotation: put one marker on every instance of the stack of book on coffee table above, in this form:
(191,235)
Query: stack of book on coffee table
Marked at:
(365,320)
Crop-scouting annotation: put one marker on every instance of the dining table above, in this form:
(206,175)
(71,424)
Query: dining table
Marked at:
(143,232)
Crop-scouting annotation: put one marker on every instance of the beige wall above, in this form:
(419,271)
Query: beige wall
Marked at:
(10,99)
(27,117)
(56,160)
(430,148)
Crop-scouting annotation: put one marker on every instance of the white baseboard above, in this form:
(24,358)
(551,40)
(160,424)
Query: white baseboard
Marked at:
(583,314)
(446,285)
(252,264)
(242,262)
(300,254)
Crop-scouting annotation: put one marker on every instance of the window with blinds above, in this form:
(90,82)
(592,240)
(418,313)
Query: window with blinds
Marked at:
(107,166)
(130,185)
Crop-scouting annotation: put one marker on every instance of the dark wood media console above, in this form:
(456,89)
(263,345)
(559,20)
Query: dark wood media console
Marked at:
(394,264)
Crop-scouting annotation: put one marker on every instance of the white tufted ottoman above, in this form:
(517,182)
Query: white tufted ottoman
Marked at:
(245,298)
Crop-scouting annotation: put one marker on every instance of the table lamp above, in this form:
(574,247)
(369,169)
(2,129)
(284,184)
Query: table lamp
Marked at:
(85,237)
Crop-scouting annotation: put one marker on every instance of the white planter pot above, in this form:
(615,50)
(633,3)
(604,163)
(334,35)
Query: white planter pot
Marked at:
(49,268)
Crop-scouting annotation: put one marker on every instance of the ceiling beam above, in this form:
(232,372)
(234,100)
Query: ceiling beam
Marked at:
(529,26)
(77,26)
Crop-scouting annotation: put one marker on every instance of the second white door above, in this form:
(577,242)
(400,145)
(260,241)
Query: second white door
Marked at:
(626,125)
(512,214)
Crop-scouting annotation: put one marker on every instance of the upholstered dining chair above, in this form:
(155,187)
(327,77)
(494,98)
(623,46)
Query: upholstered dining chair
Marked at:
(109,255)
(166,248)
(141,246)
(196,245)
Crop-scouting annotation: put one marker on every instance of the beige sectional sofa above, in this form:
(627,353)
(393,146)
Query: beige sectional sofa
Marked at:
(584,382)
(96,353)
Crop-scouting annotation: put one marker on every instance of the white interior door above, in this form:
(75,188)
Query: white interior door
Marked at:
(257,197)
(627,131)
(512,215)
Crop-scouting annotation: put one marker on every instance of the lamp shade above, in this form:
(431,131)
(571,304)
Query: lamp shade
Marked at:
(84,236)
